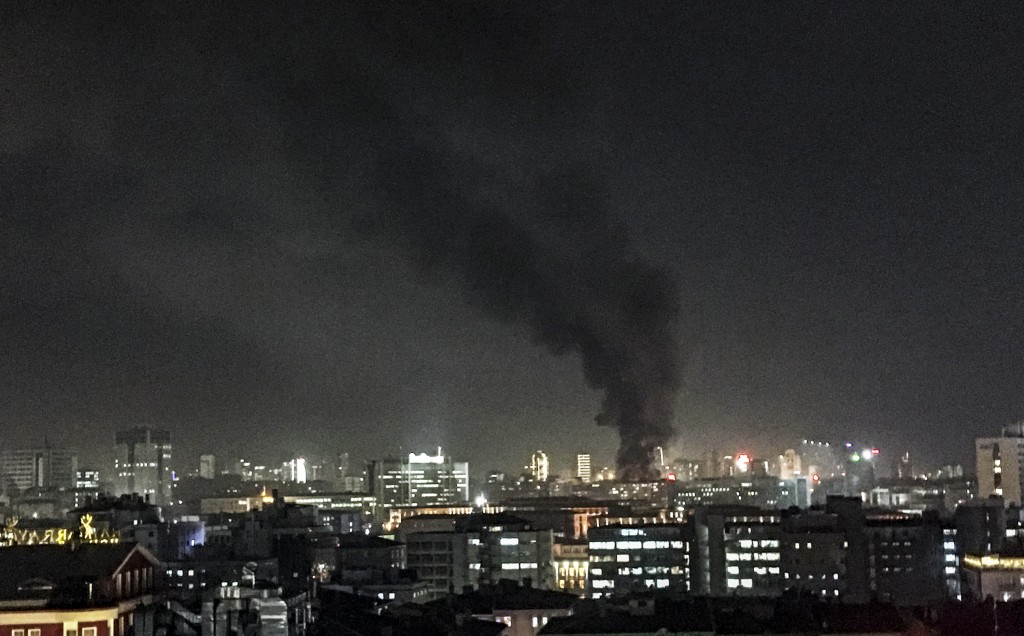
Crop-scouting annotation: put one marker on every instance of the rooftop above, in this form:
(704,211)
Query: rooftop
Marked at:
(36,571)
(364,541)
(509,596)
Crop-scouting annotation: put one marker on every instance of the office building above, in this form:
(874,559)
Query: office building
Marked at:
(87,479)
(142,464)
(762,492)
(481,549)
(207,466)
(1000,465)
(735,551)
(583,473)
(625,559)
(906,558)
(87,487)
(419,480)
(37,468)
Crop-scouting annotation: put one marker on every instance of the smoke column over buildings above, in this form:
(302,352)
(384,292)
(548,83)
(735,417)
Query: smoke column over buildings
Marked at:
(551,260)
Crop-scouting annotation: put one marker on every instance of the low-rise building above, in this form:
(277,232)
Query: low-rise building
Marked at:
(90,589)
(992,575)
(572,564)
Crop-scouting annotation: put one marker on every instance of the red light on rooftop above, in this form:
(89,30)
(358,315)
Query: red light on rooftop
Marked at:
(670,477)
(815,477)
(875,451)
(743,458)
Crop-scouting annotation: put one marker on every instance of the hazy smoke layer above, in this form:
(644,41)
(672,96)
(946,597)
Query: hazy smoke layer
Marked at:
(556,264)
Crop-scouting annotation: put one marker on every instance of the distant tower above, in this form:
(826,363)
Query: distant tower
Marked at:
(904,468)
(142,464)
(583,468)
(540,469)
(207,466)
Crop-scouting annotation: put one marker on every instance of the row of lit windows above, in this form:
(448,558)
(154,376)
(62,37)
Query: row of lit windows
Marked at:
(751,556)
(637,545)
(735,569)
(764,543)
(518,566)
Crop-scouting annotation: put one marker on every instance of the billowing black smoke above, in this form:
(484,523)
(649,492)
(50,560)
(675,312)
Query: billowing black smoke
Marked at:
(548,258)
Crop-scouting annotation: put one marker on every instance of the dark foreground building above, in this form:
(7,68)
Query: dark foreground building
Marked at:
(87,590)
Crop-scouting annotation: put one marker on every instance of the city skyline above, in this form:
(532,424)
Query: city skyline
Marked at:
(480,225)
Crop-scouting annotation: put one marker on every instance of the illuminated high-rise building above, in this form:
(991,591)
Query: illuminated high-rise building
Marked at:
(142,464)
(1000,462)
(540,468)
(37,468)
(294,470)
(419,479)
(583,467)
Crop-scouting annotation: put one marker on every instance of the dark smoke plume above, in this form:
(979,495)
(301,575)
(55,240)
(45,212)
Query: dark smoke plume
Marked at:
(556,264)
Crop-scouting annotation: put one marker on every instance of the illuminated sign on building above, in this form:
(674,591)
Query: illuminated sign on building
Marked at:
(85,533)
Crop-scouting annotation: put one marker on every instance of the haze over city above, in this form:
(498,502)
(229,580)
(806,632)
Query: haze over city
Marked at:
(272,231)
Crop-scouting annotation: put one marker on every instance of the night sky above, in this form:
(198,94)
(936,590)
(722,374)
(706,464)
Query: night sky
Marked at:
(214,221)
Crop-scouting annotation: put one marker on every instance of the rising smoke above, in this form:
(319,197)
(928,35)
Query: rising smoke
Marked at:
(556,264)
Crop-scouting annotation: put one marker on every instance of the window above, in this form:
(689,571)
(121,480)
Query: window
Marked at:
(88,631)
(71,632)
(17,632)
(34,632)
